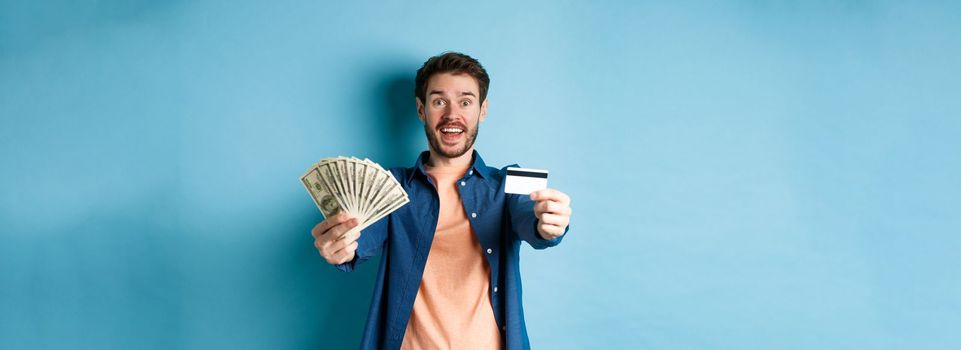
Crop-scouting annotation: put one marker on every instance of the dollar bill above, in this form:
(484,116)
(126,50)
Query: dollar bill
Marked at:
(360,187)
(325,201)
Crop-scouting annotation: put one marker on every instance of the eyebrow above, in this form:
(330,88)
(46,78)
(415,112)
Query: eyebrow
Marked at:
(465,93)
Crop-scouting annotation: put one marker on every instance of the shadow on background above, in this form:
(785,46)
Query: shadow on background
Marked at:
(336,303)
(399,133)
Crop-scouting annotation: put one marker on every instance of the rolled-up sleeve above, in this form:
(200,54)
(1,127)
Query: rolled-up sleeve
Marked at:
(524,223)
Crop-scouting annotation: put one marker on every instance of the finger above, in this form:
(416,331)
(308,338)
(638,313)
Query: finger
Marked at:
(552,207)
(539,212)
(345,254)
(329,249)
(551,230)
(347,249)
(332,221)
(541,207)
(551,194)
(543,194)
(349,237)
(335,232)
(554,219)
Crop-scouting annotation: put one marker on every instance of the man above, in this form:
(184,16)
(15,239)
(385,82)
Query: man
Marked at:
(450,277)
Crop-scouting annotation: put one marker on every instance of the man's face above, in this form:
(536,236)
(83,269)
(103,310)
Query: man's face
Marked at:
(451,113)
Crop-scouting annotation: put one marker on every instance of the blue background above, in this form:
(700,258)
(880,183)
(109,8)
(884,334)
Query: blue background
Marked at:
(744,174)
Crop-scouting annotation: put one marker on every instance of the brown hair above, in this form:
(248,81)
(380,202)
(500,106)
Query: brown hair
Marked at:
(454,63)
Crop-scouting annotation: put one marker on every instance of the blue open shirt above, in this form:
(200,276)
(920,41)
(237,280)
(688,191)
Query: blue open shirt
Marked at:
(500,221)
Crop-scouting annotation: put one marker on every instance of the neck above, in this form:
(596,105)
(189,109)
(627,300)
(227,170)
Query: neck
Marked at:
(438,161)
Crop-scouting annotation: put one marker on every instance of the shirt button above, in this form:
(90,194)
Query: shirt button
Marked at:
(489,250)
(495,289)
(462,183)
(470,172)
(473,215)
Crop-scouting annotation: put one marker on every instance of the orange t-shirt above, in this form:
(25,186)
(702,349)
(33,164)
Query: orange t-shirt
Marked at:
(453,308)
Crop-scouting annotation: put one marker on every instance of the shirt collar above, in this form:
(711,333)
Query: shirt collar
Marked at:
(477,166)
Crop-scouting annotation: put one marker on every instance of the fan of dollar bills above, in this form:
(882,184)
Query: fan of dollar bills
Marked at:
(359,187)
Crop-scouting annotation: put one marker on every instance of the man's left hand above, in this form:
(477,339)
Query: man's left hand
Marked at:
(553,212)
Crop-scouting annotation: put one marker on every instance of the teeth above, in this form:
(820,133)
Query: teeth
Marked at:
(451,130)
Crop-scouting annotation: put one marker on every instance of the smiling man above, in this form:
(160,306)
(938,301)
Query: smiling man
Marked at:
(450,277)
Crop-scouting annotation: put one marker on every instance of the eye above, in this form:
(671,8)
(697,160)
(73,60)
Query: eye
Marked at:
(440,102)
(466,103)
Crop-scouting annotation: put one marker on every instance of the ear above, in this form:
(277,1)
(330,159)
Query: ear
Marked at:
(420,110)
(483,111)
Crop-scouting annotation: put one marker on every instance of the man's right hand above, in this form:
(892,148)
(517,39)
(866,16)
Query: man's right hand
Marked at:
(333,241)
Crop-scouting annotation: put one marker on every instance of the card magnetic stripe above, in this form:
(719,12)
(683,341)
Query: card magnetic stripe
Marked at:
(526,173)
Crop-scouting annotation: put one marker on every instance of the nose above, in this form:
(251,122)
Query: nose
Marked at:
(451,112)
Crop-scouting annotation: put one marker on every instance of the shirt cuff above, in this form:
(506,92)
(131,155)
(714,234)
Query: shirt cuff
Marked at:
(541,243)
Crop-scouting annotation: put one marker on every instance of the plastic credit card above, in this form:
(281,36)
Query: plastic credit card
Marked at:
(525,181)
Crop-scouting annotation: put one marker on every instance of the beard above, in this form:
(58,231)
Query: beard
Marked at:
(435,143)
